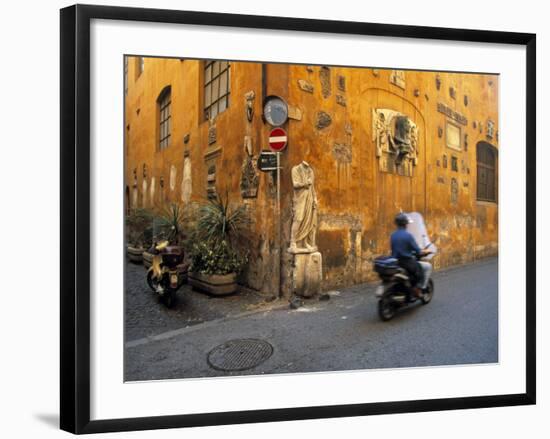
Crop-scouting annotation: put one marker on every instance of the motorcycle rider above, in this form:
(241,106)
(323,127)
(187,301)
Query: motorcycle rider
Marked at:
(404,248)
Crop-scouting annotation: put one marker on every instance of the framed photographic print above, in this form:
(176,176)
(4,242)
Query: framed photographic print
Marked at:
(268,218)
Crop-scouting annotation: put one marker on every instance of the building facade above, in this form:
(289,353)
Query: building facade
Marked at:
(379,141)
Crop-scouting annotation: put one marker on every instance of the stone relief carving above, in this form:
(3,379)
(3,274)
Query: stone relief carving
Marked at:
(342,152)
(454,163)
(212,133)
(454,190)
(341,100)
(348,128)
(323,120)
(173,175)
(249,104)
(324,77)
(341,83)
(144,193)
(305,85)
(186,182)
(304,210)
(452,92)
(135,189)
(211,182)
(294,113)
(152,190)
(249,173)
(396,141)
(490,132)
(397,77)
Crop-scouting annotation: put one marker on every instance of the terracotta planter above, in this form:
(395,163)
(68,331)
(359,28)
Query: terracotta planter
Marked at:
(135,254)
(215,284)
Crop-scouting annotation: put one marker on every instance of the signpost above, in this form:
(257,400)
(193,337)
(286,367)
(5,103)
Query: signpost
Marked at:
(271,161)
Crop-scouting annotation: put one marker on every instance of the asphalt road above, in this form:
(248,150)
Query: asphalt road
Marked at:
(459,326)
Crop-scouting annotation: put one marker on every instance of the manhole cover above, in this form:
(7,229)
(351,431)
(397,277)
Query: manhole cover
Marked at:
(240,354)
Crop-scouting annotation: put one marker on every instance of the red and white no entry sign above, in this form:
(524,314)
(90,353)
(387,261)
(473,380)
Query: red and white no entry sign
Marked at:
(277,139)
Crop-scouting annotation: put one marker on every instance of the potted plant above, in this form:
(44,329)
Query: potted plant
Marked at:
(216,253)
(138,231)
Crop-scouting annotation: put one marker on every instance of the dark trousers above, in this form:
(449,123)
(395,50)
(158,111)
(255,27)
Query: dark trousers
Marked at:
(413,268)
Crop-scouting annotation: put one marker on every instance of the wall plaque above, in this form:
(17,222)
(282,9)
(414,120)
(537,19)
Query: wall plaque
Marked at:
(454,115)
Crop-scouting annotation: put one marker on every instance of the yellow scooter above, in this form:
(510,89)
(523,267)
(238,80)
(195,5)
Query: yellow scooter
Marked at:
(166,273)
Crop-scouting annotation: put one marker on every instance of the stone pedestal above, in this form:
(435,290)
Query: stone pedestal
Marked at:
(307,274)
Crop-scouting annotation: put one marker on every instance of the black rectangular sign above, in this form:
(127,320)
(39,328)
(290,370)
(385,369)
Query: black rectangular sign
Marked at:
(267,161)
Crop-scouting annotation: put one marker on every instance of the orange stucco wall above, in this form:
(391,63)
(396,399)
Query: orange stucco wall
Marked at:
(357,201)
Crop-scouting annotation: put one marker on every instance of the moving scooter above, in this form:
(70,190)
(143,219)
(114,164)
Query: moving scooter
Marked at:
(396,289)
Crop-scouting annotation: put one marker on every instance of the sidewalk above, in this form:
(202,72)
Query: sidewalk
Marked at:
(460,326)
(145,316)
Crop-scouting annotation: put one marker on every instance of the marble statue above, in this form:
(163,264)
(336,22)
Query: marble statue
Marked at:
(304,210)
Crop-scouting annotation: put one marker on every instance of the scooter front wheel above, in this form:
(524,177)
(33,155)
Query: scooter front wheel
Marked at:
(386,309)
(151,281)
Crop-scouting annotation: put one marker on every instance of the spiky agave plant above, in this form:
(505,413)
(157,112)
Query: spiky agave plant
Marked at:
(218,221)
(171,223)
(220,237)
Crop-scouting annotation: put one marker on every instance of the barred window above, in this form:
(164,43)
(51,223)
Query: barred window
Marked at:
(164,104)
(216,87)
(486,172)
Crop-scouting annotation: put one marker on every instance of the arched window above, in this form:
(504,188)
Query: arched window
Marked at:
(486,172)
(164,105)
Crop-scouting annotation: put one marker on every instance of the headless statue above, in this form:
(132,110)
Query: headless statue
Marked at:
(304,210)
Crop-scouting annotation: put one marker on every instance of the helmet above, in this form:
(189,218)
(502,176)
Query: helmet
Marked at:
(402,220)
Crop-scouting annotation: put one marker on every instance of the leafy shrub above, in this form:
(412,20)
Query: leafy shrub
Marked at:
(219,258)
(139,227)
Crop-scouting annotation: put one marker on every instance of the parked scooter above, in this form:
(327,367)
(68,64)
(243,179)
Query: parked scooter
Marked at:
(166,274)
(396,290)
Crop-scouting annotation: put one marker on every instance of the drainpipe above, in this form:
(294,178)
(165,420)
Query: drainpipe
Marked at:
(264,83)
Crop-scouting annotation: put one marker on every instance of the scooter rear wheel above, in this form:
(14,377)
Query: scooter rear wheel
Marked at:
(429,293)
(169,298)
(386,309)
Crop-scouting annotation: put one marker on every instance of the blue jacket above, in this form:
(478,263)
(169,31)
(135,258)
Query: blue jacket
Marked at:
(403,244)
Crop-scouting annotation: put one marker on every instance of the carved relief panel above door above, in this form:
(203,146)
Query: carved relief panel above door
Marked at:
(395,138)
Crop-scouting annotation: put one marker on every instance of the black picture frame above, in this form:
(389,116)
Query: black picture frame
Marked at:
(75,217)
